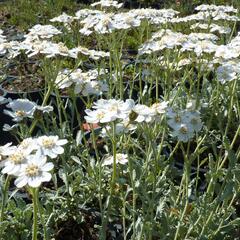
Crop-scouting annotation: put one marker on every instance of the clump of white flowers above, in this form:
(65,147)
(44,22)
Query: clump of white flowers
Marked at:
(65,19)
(107,3)
(213,8)
(167,39)
(228,71)
(184,123)
(91,53)
(28,161)
(120,159)
(24,108)
(86,83)
(43,31)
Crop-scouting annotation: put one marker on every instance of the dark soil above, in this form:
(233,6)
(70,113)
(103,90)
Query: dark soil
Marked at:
(86,230)
(71,230)
(23,84)
(24,77)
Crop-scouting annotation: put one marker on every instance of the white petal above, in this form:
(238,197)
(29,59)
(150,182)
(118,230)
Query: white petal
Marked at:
(62,142)
(41,160)
(46,177)
(58,150)
(34,181)
(8,167)
(21,181)
(47,167)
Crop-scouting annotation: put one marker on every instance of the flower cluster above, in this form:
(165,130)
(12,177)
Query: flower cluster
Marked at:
(28,160)
(24,108)
(167,39)
(107,3)
(184,123)
(65,19)
(43,31)
(91,53)
(86,83)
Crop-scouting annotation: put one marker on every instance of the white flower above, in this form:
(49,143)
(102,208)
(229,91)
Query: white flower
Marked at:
(226,73)
(212,7)
(118,108)
(21,108)
(51,145)
(183,132)
(99,116)
(28,144)
(160,108)
(52,49)
(63,79)
(107,3)
(176,118)
(44,31)
(227,52)
(144,113)
(93,54)
(193,120)
(86,12)
(44,109)
(122,127)
(34,171)
(6,150)
(120,158)
(92,88)
(125,21)
(65,19)
(14,162)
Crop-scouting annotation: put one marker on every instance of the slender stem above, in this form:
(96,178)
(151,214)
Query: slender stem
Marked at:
(40,208)
(103,221)
(114,146)
(187,166)
(35,212)
(4,197)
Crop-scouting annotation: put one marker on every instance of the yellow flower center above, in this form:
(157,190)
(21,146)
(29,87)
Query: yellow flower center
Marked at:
(16,158)
(177,118)
(20,113)
(100,115)
(32,170)
(183,130)
(48,143)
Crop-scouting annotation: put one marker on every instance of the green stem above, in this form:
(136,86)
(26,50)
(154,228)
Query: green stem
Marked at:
(40,208)
(186,175)
(4,197)
(35,212)
(114,146)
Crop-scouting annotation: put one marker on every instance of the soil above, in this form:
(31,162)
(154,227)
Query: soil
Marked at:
(86,230)
(71,230)
(24,84)
(23,78)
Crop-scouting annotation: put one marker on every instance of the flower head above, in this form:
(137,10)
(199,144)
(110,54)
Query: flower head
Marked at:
(51,145)
(34,171)
(120,158)
(21,108)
